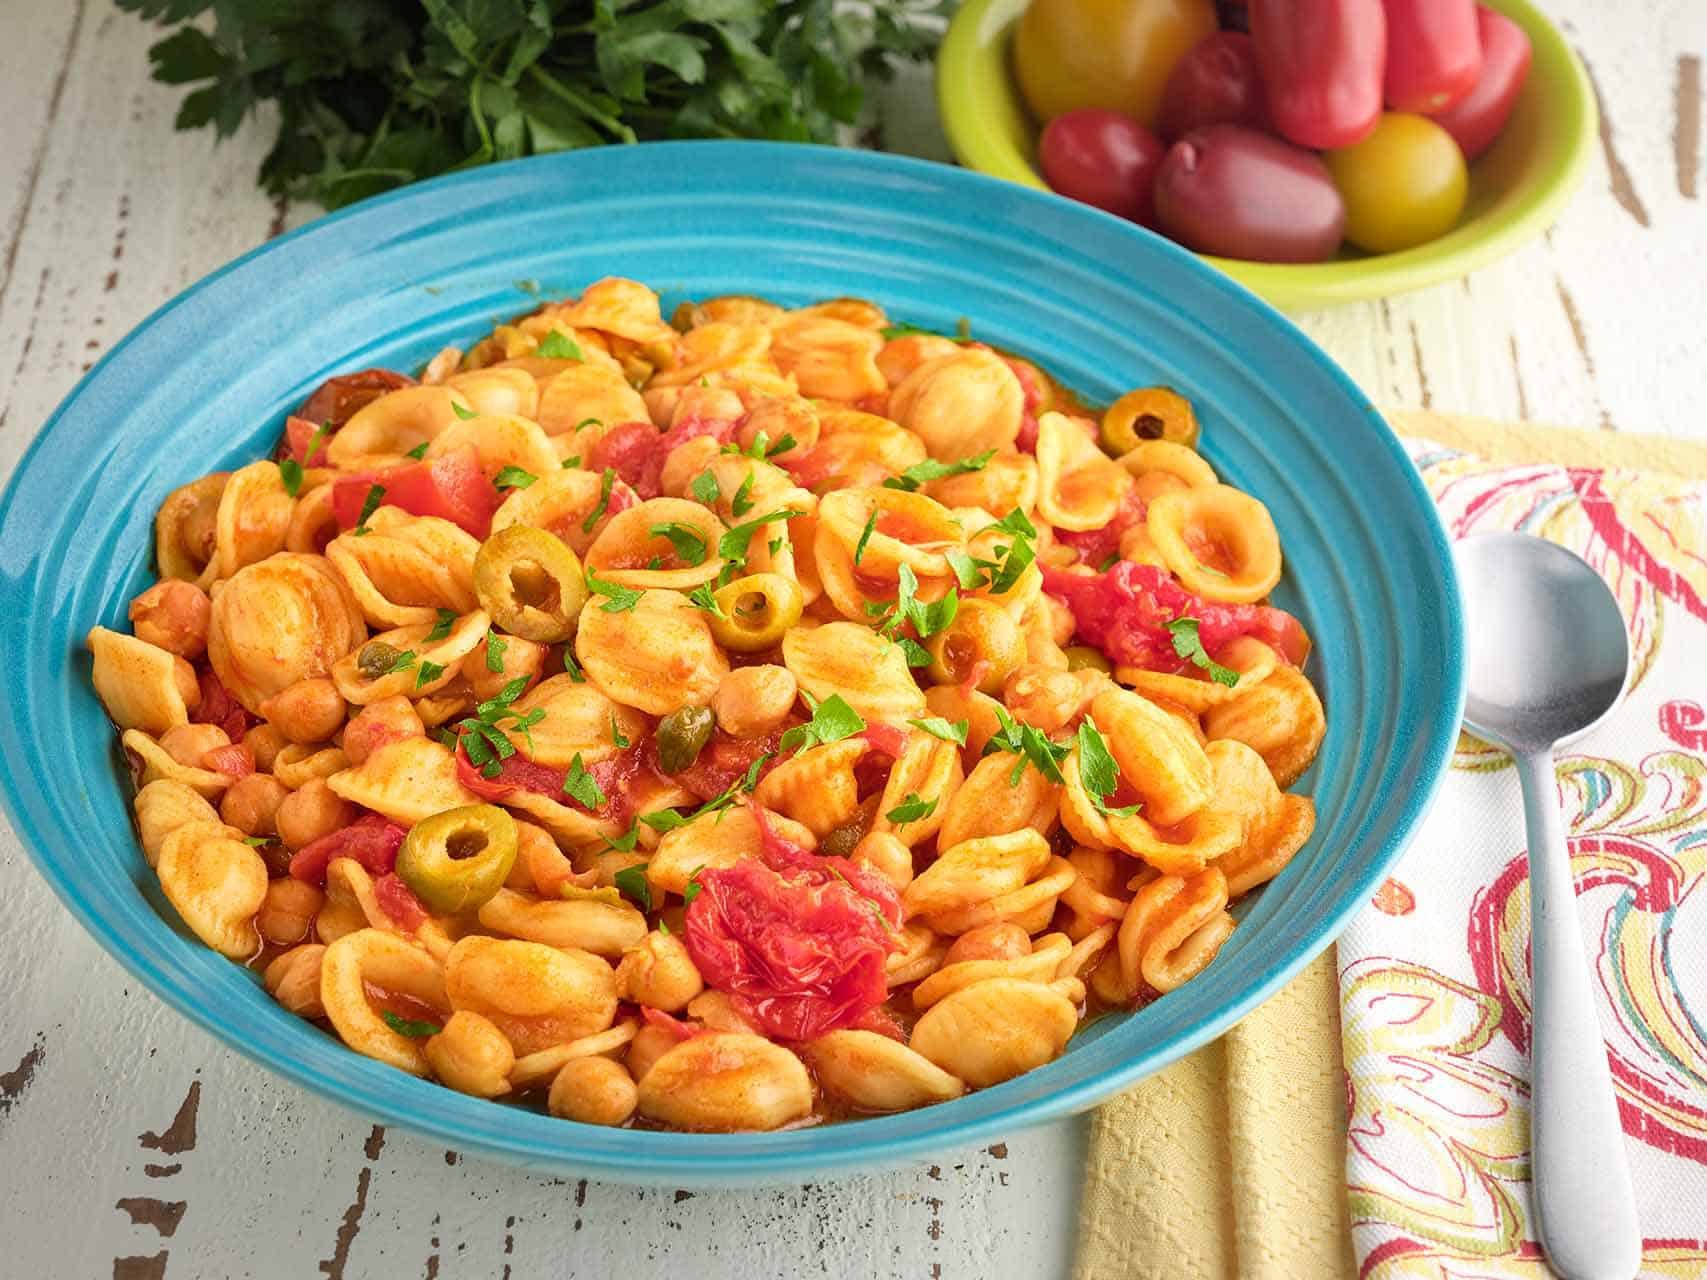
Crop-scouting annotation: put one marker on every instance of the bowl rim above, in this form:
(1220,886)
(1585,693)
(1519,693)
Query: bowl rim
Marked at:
(716,1159)
(962,68)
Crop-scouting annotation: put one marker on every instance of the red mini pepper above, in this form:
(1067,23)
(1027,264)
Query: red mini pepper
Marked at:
(1434,53)
(1323,63)
(1478,118)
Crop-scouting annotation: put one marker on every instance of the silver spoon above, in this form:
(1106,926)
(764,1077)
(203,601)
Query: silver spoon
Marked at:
(1547,659)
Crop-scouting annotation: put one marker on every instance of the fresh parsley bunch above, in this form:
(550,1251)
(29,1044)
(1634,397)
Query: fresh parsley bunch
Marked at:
(372,94)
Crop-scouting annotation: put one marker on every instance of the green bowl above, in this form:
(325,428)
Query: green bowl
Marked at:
(1516,190)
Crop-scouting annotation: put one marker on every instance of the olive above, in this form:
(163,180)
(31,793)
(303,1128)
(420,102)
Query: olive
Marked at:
(682,735)
(982,637)
(1081,657)
(530,583)
(756,612)
(1149,413)
(456,860)
(377,658)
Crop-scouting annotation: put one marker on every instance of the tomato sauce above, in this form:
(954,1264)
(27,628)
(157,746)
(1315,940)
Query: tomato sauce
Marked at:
(372,840)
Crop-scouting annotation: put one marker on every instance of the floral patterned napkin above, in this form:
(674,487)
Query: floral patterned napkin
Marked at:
(1434,982)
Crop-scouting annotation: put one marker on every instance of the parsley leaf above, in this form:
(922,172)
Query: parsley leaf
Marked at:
(832,720)
(917,654)
(429,672)
(557,345)
(402,662)
(579,785)
(605,482)
(513,478)
(931,469)
(495,646)
(1030,744)
(411,1027)
(256,842)
(1098,771)
(704,599)
(464,414)
(370,504)
(911,809)
(895,331)
(690,891)
(734,543)
(634,885)
(419,451)
(617,736)
(584,423)
(662,820)
(689,542)
(569,464)
(625,842)
(1189,645)
(290,474)
(865,535)
(314,442)
(441,628)
(1109,563)
(742,502)
(706,489)
(937,727)
(619,597)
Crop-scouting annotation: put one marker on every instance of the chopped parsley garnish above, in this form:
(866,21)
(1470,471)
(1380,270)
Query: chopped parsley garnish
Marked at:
(370,504)
(513,478)
(832,720)
(617,736)
(618,599)
(1030,744)
(930,469)
(689,542)
(290,475)
(865,537)
(911,809)
(1098,771)
(441,628)
(495,646)
(762,448)
(937,727)
(605,482)
(483,735)
(402,662)
(625,843)
(1189,645)
(569,464)
(573,668)
(1112,559)
(579,785)
(742,502)
(662,820)
(702,597)
(895,331)
(584,423)
(917,654)
(558,346)
(314,442)
(464,414)
(691,889)
(968,570)
(734,543)
(706,489)
(419,451)
(411,1027)
(632,882)
(927,618)
(429,672)
(256,842)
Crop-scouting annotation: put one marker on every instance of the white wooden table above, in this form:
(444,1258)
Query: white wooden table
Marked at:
(132,1143)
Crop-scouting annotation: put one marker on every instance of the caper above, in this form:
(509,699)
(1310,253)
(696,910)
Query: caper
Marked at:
(1081,657)
(682,735)
(840,842)
(377,658)
(457,860)
(982,639)
(530,583)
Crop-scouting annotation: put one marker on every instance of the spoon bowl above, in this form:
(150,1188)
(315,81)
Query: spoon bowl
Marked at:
(1547,654)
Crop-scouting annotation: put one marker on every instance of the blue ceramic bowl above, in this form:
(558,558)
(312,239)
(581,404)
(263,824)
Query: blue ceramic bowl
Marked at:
(205,382)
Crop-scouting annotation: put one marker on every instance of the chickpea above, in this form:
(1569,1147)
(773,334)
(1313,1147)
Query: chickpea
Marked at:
(982,640)
(520,658)
(265,741)
(386,720)
(751,701)
(173,615)
(307,711)
(1047,698)
(593,1090)
(294,980)
(287,912)
(188,743)
(658,971)
(251,804)
(471,1056)
(887,856)
(649,1044)
(1004,941)
(311,811)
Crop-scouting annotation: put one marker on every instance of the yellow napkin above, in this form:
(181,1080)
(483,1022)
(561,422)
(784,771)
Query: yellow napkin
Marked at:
(1231,1162)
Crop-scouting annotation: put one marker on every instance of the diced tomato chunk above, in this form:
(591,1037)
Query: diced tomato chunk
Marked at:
(796,940)
(298,433)
(889,739)
(372,840)
(452,487)
(337,399)
(399,902)
(636,450)
(665,1022)
(218,707)
(235,761)
(1125,613)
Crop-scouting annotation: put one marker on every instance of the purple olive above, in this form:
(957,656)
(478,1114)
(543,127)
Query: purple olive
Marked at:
(1228,190)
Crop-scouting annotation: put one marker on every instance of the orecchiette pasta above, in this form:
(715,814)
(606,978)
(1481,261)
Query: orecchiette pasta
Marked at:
(763,718)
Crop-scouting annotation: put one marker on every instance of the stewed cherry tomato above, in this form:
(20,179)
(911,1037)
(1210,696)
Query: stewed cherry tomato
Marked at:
(1104,159)
(1402,185)
(1216,83)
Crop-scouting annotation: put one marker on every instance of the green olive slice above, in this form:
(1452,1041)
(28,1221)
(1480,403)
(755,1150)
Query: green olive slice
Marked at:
(757,611)
(983,639)
(530,583)
(456,860)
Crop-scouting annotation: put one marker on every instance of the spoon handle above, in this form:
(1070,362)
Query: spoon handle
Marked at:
(1584,1204)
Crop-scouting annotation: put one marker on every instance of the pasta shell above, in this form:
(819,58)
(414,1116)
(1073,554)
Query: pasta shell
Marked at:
(500,440)
(1281,718)
(1219,542)
(724,1082)
(869,672)
(930,769)
(313,523)
(733,308)
(919,954)
(536,1070)
(538,996)
(390,425)
(994,1030)
(603,928)
(1008,482)
(1253,660)
(216,883)
(718,839)
(562,503)
(987,804)
(1031,906)
(816,787)
(900,356)
(445,655)
(505,391)
(910,529)
(1039,965)
(137,682)
(828,357)
(587,391)
(406,568)
(579,721)
(658,656)
(975,871)
(285,619)
(713,349)
(407,780)
(1157,755)
(164,805)
(857,449)
(961,404)
(619,306)
(299,764)
(878,1074)
(253,519)
(1078,485)
(631,541)
(186,528)
(373,958)
(1173,929)
(1275,825)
